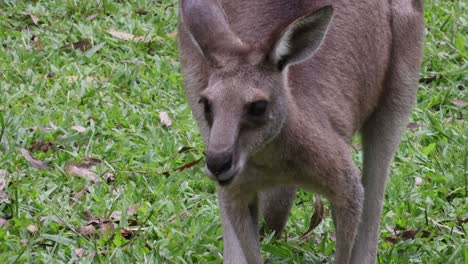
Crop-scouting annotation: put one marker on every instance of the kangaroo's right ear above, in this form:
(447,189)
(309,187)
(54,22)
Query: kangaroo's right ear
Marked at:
(301,38)
(209,29)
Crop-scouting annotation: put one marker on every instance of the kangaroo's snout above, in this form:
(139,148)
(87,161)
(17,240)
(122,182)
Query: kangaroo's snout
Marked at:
(219,163)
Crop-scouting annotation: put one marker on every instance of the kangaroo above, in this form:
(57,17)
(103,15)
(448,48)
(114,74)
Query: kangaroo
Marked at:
(279,88)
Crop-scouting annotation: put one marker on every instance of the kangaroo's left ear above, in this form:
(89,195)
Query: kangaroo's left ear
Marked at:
(301,38)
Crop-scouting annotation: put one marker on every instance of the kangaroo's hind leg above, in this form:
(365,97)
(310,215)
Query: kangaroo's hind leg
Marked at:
(382,132)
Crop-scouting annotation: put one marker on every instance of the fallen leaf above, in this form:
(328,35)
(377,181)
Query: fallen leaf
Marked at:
(188,165)
(184,149)
(172,34)
(92,161)
(32,228)
(316,219)
(459,103)
(2,185)
(165,120)
(79,129)
(141,11)
(82,45)
(127,36)
(87,230)
(418,181)
(429,79)
(42,145)
(34,19)
(127,233)
(92,220)
(39,45)
(79,252)
(81,170)
(51,124)
(109,177)
(180,215)
(413,126)
(92,17)
(107,227)
(409,234)
(133,222)
(132,210)
(116,215)
(34,162)
(3,222)
(118,191)
(3,196)
(79,194)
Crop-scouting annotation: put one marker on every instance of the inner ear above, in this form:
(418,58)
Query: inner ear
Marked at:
(209,29)
(301,38)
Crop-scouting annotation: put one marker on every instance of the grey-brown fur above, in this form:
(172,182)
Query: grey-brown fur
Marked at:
(350,66)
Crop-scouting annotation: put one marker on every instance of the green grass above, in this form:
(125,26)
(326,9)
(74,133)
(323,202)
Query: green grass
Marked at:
(116,90)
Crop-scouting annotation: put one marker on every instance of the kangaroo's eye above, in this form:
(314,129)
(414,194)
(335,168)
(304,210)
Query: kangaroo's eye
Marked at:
(206,104)
(257,108)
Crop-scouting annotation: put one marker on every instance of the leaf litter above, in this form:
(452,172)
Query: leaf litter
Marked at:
(34,162)
(84,169)
(127,36)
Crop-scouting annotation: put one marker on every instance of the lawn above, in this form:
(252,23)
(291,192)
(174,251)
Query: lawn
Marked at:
(99,153)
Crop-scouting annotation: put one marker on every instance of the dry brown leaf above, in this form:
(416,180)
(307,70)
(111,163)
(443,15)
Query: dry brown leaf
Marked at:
(118,191)
(32,228)
(180,215)
(82,45)
(81,170)
(109,177)
(74,78)
(106,227)
(116,215)
(79,129)
(459,102)
(172,34)
(127,233)
(39,45)
(79,194)
(34,19)
(3,222)
(92,161)
(2,184)
(316,219)
(127,36)
(92,17)
(418,181)
(165,119)
(79,252)
(92,220)
(413,126)
(42,145)
(34,162)
(51,124)
(141,11)
(3,196)
(87,230)
(132,210)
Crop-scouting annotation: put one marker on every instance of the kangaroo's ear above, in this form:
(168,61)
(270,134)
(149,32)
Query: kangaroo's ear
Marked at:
(301,38)
(209,29)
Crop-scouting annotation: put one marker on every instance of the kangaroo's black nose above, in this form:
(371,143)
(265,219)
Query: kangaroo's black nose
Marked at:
(218,163)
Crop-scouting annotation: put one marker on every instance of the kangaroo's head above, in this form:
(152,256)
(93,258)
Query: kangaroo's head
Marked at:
(245,101)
